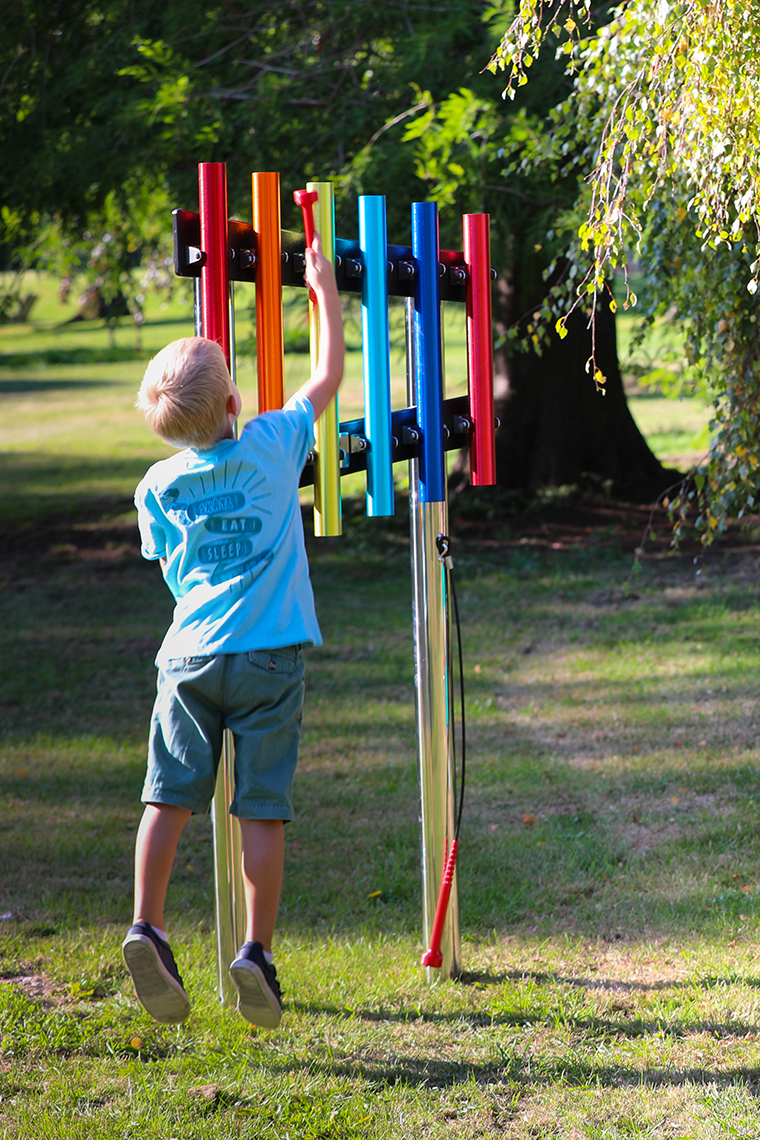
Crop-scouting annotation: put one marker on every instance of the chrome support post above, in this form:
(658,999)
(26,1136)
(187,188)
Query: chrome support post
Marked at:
(432,682)
(197,307)
(228,851)
(228,877)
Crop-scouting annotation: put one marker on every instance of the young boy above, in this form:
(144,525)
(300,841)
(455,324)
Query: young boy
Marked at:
(223,518)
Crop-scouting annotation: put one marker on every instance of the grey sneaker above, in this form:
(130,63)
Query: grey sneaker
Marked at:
(156,979)
(259,993)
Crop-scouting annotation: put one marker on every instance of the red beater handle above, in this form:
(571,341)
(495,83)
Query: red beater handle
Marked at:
(433,955)
(306,199)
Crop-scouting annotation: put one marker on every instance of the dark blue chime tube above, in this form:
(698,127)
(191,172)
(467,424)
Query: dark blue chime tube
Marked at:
(426,335)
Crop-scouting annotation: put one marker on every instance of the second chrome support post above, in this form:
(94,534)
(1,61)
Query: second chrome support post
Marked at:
(429,519)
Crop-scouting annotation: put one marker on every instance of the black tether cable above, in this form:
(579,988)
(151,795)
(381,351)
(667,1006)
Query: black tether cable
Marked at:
(433,956)
(443,543)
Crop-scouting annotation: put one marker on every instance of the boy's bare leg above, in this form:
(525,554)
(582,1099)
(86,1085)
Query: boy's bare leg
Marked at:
(155,848)
(263,860)
(157,981)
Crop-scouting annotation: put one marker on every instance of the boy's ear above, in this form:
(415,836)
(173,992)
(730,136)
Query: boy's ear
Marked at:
(235,402)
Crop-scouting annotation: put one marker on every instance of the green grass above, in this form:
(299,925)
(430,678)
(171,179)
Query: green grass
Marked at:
(610,858)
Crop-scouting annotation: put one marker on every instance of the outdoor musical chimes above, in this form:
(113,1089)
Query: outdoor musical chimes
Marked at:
(216,251)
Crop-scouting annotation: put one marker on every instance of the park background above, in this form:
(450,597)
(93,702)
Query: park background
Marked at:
(608,871)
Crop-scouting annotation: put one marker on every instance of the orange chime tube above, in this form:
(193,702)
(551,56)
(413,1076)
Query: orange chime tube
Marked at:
(477,257)
(269,336)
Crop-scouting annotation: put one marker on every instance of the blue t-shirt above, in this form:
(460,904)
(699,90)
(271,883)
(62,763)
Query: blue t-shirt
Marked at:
(228,522)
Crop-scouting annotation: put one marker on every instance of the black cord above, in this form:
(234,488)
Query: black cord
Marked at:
(444,546)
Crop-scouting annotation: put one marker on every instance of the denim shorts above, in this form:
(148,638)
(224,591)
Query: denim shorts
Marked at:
(258,696)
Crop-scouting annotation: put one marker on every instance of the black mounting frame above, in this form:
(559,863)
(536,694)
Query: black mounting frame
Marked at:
(189,259)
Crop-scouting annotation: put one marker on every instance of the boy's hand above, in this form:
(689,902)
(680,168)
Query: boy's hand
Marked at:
(320,275)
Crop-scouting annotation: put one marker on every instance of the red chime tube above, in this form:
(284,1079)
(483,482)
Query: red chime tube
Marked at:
(215,273)
(477,257)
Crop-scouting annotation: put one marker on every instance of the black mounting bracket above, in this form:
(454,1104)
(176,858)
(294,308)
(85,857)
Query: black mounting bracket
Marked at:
(349,264)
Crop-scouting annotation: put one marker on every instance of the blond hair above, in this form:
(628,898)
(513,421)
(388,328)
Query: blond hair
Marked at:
(185,391)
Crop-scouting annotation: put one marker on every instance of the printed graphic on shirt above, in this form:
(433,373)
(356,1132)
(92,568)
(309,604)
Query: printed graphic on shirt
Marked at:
(234,526)
(216,504)
(227,570)
(214,500)
(224,551)
(233,554)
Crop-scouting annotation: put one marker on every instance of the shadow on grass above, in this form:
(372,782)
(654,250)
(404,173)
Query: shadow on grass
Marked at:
(28,470)
(622,1028)
(68,357)
(610,985)
(123,325)
(18,387)
(43,497)
(417,1072)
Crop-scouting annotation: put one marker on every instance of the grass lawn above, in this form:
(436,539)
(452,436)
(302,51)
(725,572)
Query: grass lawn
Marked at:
(610,855)
(676,429)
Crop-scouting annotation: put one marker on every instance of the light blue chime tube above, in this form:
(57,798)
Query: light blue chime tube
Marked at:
(432,633)
(376,349)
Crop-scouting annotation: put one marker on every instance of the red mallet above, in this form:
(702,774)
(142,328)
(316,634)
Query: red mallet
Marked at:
(306,199)
(433,956)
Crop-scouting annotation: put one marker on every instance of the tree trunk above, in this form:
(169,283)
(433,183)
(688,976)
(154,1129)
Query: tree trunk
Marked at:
(556,428)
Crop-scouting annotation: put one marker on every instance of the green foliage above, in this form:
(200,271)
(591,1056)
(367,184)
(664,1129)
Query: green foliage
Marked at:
(108,107)
(664,99)
(474,152)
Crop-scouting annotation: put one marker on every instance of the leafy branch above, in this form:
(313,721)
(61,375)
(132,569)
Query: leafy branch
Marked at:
(664,101)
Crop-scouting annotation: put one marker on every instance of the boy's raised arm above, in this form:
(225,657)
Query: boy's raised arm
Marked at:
(325,380)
